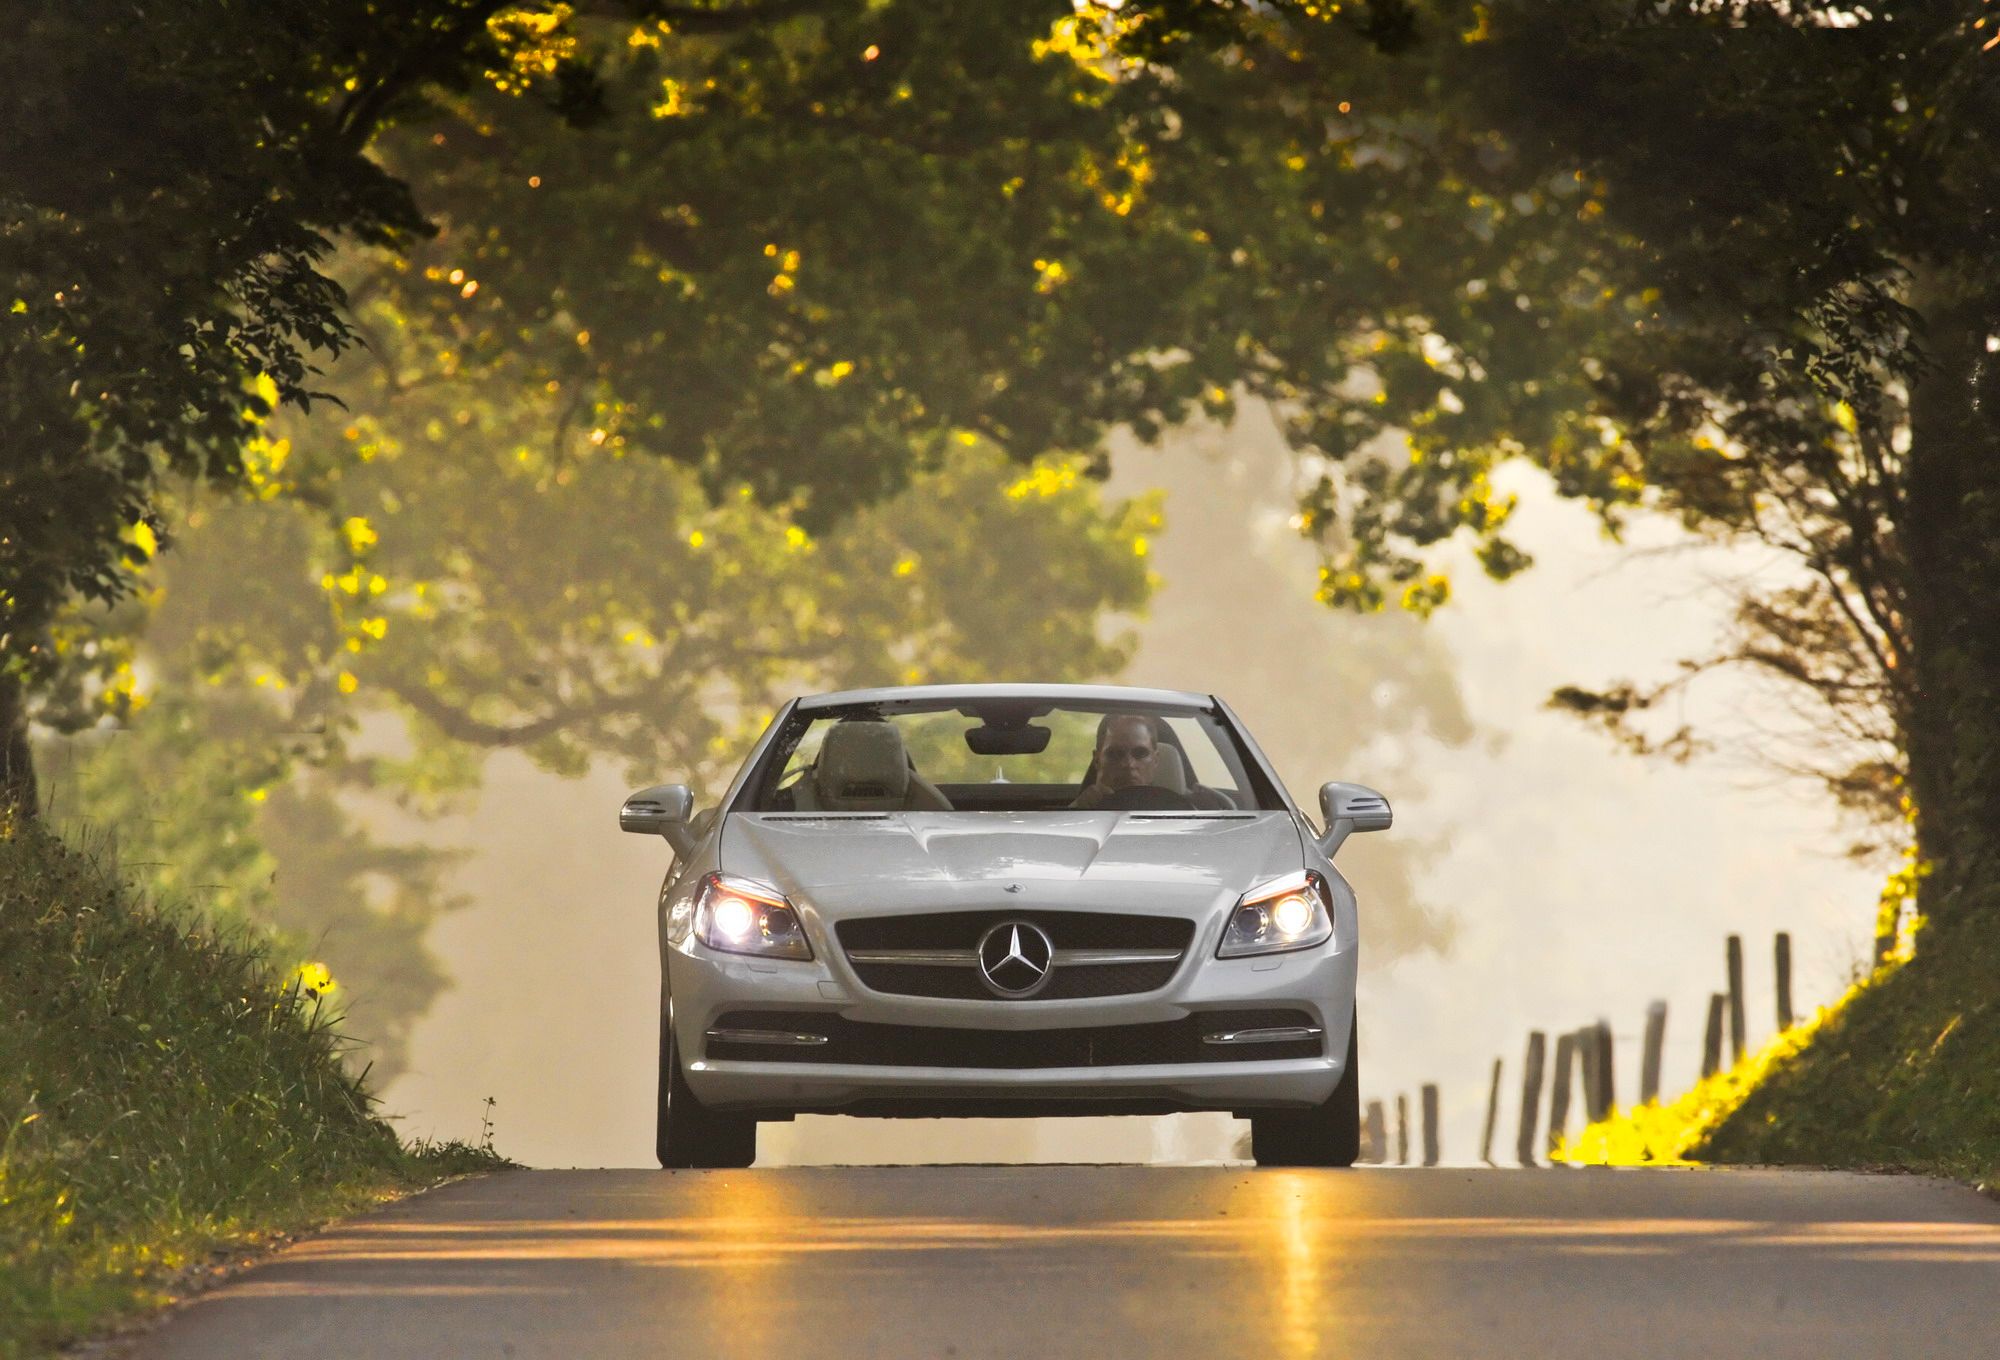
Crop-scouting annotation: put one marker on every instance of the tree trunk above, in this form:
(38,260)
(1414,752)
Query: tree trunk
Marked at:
(19,797)
(1950,534)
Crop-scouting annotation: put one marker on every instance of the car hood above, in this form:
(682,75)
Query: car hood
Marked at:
(956,855)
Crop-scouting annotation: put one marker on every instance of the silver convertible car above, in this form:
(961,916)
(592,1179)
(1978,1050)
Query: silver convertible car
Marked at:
(1006,900)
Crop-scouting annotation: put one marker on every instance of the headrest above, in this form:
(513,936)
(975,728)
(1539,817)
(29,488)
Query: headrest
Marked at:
(862,767)
(1169,771)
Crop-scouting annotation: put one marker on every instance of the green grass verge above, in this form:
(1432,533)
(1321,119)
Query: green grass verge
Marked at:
(1902,1072)
(1906,1075)
(166,1099)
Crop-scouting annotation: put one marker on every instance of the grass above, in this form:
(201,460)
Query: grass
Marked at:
(166,1098)
(1903,1073)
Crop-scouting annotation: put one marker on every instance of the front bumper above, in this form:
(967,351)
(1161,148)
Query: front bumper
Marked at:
(708,987)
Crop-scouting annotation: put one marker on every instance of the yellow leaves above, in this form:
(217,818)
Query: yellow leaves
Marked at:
(1295,163)
(697,538)
(348,683)
(1425,597)
(20,306)
(673,101)
(833,374)
(1045,480)
(1140,545)
(360,535)
(796,539)
(1843,416)
(906,567)
(354,581)
(788,268)
(376,628)
(142,537)
(1050,276)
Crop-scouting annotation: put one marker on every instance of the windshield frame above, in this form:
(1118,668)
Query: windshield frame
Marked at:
(789,728)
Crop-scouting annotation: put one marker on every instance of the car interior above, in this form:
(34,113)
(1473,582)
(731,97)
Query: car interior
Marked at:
(864,765)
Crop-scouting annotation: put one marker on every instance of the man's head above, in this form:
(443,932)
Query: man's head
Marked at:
(1126,748)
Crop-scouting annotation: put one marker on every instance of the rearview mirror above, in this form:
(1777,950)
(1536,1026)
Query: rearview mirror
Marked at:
(663,810)
(1348,808)
(1008,739)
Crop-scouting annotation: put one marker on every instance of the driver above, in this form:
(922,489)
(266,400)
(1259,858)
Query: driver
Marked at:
(1128,748)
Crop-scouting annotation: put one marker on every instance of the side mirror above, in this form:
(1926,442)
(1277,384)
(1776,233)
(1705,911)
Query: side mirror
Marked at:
(663,810)
(1348,808)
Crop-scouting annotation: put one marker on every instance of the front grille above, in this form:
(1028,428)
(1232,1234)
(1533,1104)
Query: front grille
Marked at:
(960,930)
(863,1043)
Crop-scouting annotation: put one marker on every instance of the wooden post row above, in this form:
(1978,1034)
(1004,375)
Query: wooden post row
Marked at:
(1784,961)
(1492,1116)
(1531,1098)
(1559,1089)
(1402,1130)
(1429,1095)
(1737,1039)
(1375,1133)
(1586,1062)
(1711,1039)
(1607,1083)
(1649,1060)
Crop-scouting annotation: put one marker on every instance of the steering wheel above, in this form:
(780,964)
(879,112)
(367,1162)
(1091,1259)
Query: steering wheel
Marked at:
(1146,798)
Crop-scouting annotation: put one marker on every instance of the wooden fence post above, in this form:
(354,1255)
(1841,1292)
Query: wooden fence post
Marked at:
(1430,1101)
(1559,1090)
(1586,1064)
(1737,1039)
(1402,1130)
(1784,952)
(1531,1097)
(1711,1039)
(1607,1084)
(1649,1062)
(1375,1133)
(1492,1116)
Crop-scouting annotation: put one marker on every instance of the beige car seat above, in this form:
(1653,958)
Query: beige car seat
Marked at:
(864,767)
(1170,772)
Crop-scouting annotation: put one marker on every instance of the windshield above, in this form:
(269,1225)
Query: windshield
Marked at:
(1008,755)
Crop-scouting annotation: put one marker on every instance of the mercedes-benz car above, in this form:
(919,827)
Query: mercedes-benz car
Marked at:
(1006,900)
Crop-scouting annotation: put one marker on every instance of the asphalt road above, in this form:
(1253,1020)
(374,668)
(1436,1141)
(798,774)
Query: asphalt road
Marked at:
(1129,1261)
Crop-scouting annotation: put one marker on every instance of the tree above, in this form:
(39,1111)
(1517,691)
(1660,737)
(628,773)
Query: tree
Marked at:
(183,172)
(1729,262)
(175,176)
(464,566)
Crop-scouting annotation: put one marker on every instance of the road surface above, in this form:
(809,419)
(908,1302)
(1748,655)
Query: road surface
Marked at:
(1108,1262)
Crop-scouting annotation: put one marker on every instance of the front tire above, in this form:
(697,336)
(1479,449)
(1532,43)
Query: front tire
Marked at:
(1329,1134)
(689,1133)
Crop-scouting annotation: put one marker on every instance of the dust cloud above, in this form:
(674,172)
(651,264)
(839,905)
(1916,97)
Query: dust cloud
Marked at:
(1536,878)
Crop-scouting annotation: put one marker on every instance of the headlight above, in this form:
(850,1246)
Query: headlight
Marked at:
(1293,912)
(738,916)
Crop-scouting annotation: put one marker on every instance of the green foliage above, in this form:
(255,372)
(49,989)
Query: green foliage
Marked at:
(163,1091)
(466,562)
(175,174)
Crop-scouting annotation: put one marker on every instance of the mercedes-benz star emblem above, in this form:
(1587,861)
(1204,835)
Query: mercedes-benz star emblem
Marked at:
(1014,958)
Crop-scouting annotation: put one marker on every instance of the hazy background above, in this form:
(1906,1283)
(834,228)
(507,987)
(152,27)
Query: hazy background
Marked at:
(1536,878)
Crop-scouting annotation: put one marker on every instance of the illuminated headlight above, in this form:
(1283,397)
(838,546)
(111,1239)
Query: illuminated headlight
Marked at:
(738,916)
(1293,912)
